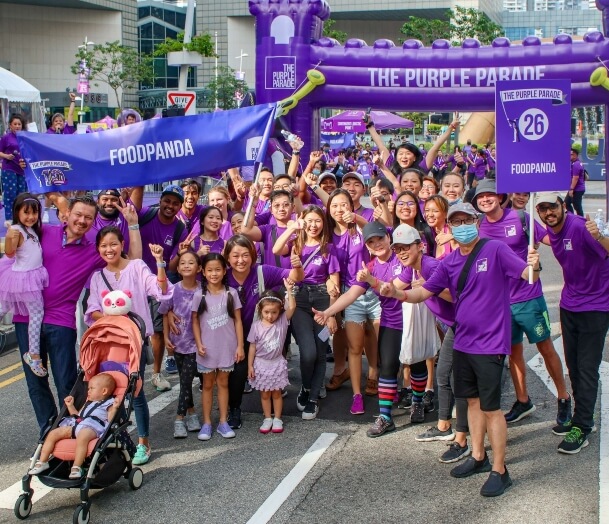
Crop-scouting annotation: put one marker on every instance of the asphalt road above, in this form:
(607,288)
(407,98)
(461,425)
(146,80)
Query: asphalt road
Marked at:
(357,479)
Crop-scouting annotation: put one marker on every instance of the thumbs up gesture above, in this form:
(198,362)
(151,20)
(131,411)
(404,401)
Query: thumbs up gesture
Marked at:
(295,258)
(363,275)
(592,228)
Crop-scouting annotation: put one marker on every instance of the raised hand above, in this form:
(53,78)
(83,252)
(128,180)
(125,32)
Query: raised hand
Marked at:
(592,227)
(363,275)
(185,245)
(157,252)
(254,192)
(314,157)
(69,400)
(128,211)
(348,217)
(289,285)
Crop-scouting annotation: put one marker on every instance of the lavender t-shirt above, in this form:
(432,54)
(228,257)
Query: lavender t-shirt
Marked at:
(351,252)
(218,333)
(269,339)
(155,232)
(391,309)
(181,304)
(585,267)
(482,312)
(318,267)
(508,229)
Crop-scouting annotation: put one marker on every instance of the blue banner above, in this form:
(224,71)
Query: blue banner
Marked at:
(148,152)
(338,141)
(533,135)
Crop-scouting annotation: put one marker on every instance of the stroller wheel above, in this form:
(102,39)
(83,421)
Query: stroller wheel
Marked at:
(23,507)
(82,515)
(136,478)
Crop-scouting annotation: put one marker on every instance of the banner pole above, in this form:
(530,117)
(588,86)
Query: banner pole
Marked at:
(250,203)
(531,232)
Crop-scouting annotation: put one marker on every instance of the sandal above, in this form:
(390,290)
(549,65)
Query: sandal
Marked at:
(35,365)
(75,473)
(39,468)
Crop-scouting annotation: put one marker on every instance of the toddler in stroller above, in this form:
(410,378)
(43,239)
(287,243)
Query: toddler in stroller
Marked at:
(85,425)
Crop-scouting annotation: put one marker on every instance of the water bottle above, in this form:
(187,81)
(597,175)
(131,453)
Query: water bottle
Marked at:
(599,218)
(293,140)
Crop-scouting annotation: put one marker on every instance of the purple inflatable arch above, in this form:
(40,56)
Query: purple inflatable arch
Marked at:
(412,77)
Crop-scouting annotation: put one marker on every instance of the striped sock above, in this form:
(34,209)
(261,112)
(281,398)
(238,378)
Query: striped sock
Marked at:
(387,390)
(418,383)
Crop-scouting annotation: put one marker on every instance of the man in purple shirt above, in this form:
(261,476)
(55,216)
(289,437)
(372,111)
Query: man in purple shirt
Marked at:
(190,211)
(69,258)
(582,251)
(577,188)
(481,341)
(528,306)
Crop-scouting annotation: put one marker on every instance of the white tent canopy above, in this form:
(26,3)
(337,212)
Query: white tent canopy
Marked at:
(16,89)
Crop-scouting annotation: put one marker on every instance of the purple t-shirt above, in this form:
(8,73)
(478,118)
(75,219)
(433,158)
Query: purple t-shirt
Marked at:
(480,167)
(190,222)
(225,231)
(509,230)
(101,222)
(215,246)
(218,333)
(486,292)
(155,232)
(268,232)
(67,130)
(181,304)
(69,268)
(351,252)
(585,267)
(391,309)
(248,291)
(9,146)
(318,267)
(262,206)
(269,339)
(367,213)
(578,170)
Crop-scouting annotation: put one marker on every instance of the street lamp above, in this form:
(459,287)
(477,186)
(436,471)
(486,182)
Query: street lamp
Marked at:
(83,80)
(240,74)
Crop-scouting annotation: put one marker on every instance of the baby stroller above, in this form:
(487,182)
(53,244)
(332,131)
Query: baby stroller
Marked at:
(113,345)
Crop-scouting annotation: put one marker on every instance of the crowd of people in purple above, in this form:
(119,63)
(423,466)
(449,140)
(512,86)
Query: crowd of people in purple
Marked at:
(431,283)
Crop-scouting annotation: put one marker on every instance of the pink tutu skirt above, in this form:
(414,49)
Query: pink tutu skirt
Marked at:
(271,375)
(20,288)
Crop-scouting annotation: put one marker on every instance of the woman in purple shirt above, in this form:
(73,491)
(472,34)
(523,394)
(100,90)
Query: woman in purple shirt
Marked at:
(320,264)
(13,179)
(61,126)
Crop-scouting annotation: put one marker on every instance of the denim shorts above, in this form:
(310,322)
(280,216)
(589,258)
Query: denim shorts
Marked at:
(203,369)
(366,307)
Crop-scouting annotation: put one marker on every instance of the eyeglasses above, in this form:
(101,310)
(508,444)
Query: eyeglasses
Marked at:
(408,203)
(401,248)
(429,187)
(285,187)
(544,209)
(456,222)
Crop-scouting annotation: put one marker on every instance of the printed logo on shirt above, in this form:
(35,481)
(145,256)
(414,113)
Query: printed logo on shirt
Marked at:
(510,231)
(317,261)
(397,270)
(567,244)
(356,241)
(168,240)
(219,321)
(481,265)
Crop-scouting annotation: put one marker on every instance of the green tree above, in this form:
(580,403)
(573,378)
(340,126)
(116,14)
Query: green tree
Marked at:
(201,44)
(457,25)
(116,65)
(225,88)
(341,36)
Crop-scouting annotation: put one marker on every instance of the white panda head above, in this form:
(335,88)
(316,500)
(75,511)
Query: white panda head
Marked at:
(116,302)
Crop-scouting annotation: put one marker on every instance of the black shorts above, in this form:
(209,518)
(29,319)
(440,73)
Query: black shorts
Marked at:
(157,318)
(478,376)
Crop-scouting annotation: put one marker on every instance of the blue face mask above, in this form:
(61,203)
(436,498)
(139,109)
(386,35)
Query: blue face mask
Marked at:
(453,202)
(316,171)
(465,234)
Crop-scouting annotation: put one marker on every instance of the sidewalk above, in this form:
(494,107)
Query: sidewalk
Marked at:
(596,189)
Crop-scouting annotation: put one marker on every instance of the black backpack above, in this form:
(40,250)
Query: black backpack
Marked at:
(149,215)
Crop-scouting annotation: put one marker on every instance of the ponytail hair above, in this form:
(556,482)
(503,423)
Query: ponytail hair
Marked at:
(230,302)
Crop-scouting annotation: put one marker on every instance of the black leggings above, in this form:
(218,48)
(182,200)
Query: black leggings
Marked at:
(237,378)
(390,344)
(187,369)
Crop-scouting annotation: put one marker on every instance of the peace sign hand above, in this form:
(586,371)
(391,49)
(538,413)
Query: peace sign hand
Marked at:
(128,211)
(185,245)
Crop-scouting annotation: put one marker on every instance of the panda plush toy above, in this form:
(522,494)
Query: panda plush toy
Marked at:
(116,302)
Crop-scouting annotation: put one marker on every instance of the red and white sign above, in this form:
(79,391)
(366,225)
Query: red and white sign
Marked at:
(185,99)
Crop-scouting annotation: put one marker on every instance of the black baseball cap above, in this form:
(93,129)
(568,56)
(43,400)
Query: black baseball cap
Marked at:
(374,229)
(109,192)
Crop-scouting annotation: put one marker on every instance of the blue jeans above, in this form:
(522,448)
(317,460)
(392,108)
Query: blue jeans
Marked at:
(57,343)
(140,404)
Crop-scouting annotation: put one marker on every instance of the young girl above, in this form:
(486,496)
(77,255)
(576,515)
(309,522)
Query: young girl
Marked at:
(94,416)
(22,281)
(189,266)
(267,367)
(218,334)
(320,263)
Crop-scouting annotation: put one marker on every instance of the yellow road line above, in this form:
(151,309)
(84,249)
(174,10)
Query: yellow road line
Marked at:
(10,368)
(9,381)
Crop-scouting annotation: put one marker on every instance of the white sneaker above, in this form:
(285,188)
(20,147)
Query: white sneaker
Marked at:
(267,424)
(192,422)
(277,425)
(179,429)
(160,382)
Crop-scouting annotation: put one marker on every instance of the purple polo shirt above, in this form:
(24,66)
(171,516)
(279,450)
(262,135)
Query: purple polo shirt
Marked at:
(578,170)
(351,251)
(391,309)
(101,222)
(508,229)
(69,268)
(318,267)
(486,292)
(585,267)
(155,232)
(248,292)
(9,146)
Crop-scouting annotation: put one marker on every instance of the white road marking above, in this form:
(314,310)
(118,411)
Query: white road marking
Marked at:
(9,496)
(293,478)
(538,366)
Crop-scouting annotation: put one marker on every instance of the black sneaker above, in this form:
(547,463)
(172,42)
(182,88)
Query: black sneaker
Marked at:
(563,429)
(433,433)
(428,404)
(471,466)
(234,418)
(496,484)
(329,355)
(380,427)
(455,453)
(519,411)
(563,415)
(573,442)
(405,400)
(310,411)
(248,387)
(302,399)
(417,413)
